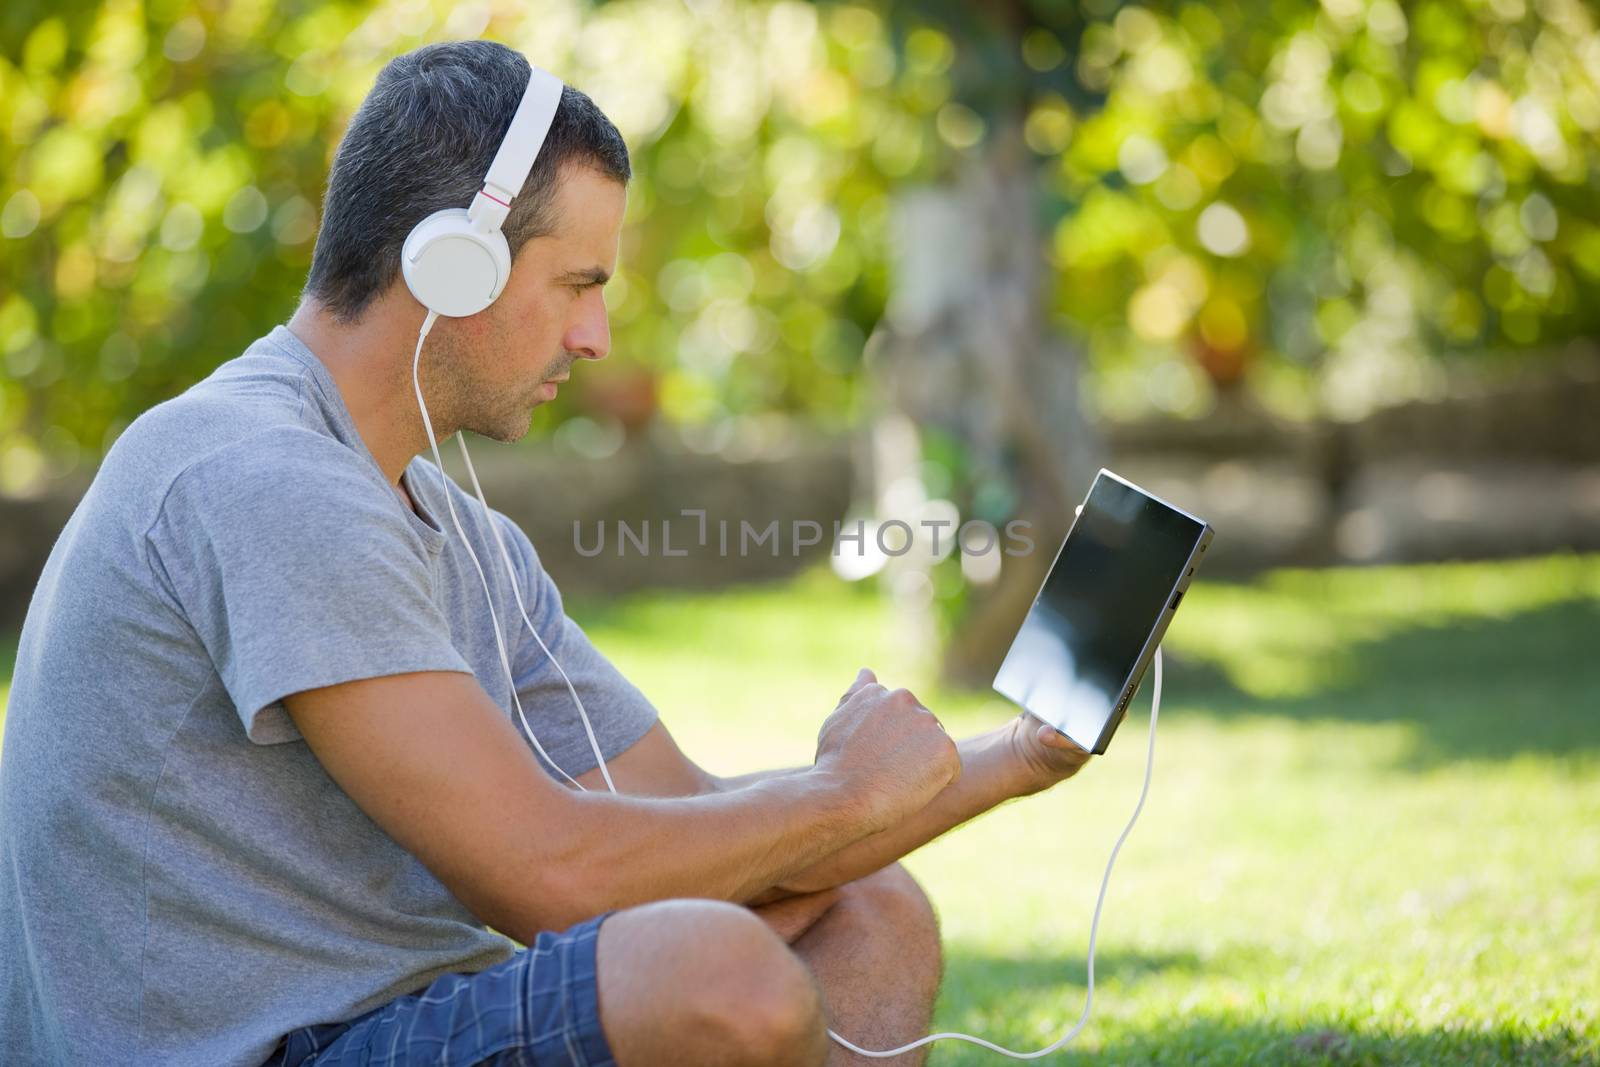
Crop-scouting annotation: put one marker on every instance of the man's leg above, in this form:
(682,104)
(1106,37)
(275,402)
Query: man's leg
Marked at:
(876,953)
(696,982)
(678,983)
(700,983)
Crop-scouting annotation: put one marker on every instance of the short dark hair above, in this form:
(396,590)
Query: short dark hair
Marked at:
(422,140)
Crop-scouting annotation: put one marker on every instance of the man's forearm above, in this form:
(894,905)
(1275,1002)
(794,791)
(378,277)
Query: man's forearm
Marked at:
(733,783)
(621,850)
(991,773)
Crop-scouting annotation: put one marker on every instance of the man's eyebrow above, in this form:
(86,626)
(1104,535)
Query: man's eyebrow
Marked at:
(590,276)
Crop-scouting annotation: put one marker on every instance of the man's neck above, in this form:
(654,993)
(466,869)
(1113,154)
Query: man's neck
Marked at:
(370,362)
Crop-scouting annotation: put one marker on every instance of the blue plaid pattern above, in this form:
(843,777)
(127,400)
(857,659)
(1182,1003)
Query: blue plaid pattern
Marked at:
(541,1008)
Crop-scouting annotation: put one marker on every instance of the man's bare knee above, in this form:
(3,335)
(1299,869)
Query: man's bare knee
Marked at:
(894,893)
(705,983)
(891,900)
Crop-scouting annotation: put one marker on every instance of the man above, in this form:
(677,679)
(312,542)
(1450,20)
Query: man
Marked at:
(262,798)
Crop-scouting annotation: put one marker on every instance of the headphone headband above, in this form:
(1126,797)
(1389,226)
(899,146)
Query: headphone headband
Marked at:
(518,150)
(526,134)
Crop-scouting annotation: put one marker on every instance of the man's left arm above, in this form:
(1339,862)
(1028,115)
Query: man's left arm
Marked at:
(1017,759)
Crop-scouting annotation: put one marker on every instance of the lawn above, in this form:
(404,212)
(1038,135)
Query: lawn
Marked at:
(1373,836)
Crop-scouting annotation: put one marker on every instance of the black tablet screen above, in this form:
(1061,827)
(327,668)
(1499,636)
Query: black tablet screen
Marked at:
(1109,586)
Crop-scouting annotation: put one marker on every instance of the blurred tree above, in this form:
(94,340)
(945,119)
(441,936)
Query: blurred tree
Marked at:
(969,354)
(162,166)
(1352,188)
(1347,188)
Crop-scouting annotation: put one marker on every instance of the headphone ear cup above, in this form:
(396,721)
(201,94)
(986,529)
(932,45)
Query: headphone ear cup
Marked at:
(452,268)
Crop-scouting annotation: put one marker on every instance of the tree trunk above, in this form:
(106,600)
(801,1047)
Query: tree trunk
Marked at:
(966,348)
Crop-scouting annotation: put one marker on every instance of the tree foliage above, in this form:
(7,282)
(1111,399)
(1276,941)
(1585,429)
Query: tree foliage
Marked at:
(1318,200)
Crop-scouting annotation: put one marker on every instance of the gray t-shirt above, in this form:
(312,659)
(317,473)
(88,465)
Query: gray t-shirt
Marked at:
(180,881)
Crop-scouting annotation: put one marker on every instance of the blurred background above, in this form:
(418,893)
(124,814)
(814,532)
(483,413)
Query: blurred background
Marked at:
(1325,273)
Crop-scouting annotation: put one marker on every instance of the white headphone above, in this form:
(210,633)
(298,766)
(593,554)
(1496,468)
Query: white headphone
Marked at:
(456,261)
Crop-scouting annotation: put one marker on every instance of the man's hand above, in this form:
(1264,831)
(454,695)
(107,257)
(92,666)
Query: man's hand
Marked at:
(889,750)
(1046,756)
(792,916)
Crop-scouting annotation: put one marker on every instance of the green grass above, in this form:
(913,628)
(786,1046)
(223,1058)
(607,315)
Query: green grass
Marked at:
(1373,837)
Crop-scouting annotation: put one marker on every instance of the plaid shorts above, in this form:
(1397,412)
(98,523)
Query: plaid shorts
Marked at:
(541,1008)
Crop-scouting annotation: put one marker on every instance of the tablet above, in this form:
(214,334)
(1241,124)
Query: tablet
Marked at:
(1102,610)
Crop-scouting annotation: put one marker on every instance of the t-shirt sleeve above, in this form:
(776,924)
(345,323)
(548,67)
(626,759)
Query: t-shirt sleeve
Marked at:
(618,711)
(297,569)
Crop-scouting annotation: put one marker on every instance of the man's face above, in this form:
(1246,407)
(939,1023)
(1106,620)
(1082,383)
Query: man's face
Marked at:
(496,366)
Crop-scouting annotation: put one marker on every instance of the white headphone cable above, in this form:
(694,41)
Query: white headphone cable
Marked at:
(1094,924)
(516,593)
(499,639)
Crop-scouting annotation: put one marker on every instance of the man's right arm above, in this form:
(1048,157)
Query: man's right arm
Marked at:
(431,759)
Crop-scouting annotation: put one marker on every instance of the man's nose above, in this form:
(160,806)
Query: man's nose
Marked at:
(589,337)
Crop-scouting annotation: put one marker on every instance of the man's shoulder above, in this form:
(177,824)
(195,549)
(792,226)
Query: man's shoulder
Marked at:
(281,460)
(212,420)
